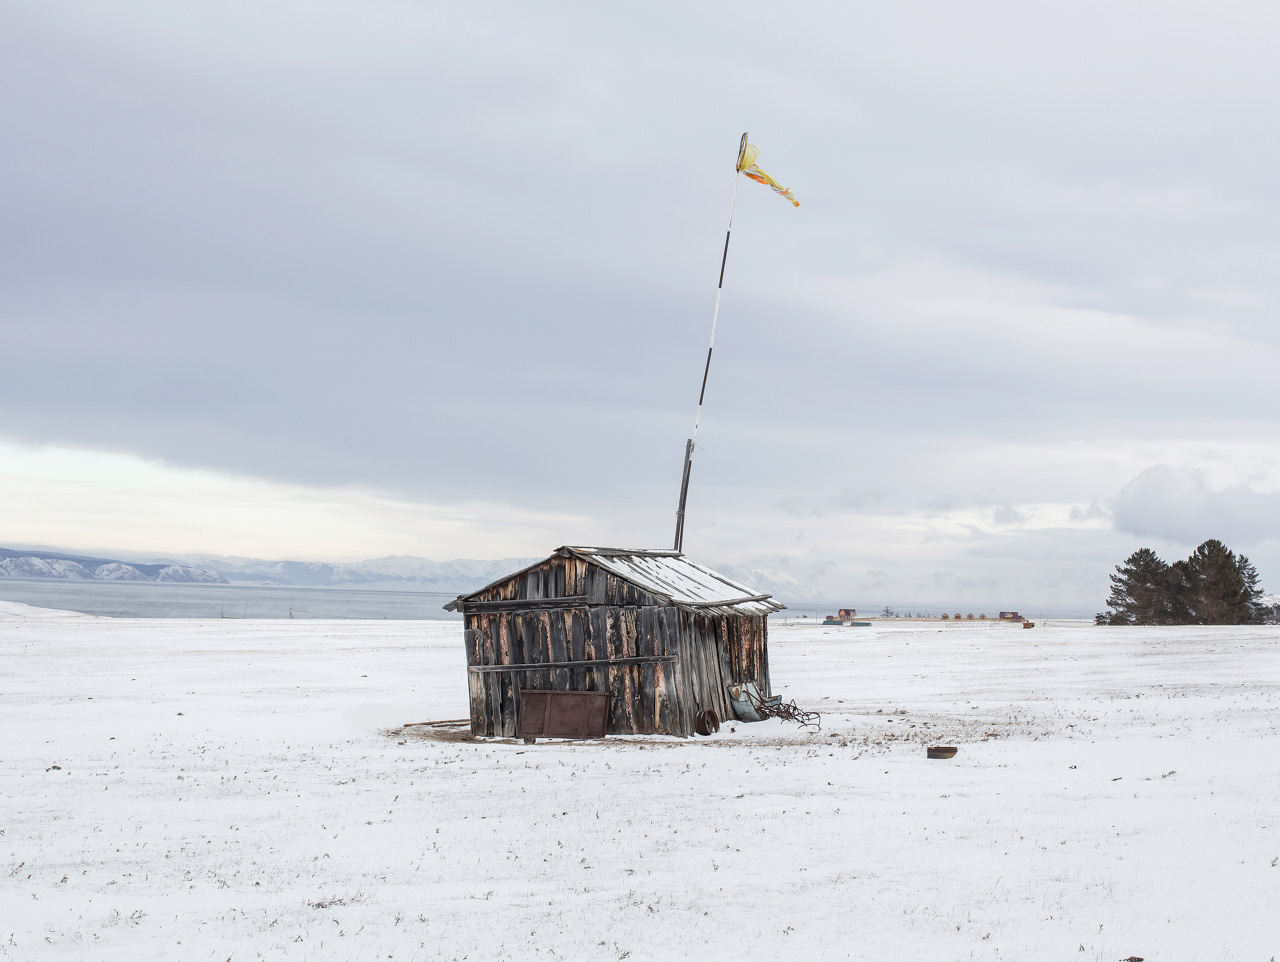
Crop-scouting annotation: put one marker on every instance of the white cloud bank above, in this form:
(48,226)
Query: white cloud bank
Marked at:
(96,500)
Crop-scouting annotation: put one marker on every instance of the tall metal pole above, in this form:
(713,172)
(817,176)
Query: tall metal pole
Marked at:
(689,444)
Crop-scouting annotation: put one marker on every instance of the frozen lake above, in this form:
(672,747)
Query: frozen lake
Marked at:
(228,789)
(124,599)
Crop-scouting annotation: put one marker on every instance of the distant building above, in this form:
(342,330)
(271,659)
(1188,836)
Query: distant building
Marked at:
(843,617)
(1011,616)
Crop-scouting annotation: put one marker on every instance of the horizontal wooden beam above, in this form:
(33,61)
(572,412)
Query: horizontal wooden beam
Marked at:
(589,663)
(521,604)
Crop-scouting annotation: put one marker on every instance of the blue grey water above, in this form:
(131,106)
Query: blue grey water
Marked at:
(150,600)
(123,599)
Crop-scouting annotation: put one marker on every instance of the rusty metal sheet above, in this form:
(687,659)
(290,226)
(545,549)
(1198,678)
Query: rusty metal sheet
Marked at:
(562,714)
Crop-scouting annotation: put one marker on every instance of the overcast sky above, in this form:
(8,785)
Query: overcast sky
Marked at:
(338,280)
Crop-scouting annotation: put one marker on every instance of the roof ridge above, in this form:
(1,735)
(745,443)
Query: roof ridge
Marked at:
(616,552)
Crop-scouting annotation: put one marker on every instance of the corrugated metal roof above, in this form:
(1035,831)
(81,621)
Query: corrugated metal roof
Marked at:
(670,576)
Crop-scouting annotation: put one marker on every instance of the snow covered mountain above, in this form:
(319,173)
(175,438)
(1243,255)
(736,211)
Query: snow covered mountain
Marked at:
(777,583)
(45,564)
(396,572)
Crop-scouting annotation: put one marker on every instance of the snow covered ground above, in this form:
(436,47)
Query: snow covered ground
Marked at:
(229,790)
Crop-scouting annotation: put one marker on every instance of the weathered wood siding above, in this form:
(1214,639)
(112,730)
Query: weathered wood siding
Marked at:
(607,618)
(719,651)
(566,578)
(643,697)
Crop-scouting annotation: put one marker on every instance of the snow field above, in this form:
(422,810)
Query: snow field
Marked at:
(241,789)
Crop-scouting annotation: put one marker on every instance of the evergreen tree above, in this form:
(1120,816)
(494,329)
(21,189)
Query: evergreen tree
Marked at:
(1142,591)
(1181,579)
(1221,589)
(1259,610)
(1212,587)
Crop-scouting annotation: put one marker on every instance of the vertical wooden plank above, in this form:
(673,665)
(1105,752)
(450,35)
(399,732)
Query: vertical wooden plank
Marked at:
(646,632)
(493,699)
(756,626)
(661,709)
(691,701)
(706,694)
(716,655)
(475,686)
(766,683)
(526,641)
(630,673)
(597,647)
(733,650)
(724,628)
(646,644)
(596,585)
(635,673)
(619,709)
(497,683)
(580,678)
(707,680)
(664,681)
(672,674)
(509,684)
(708,673)
(552,623)
(482,658)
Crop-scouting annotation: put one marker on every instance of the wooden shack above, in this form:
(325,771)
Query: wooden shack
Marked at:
(663,635)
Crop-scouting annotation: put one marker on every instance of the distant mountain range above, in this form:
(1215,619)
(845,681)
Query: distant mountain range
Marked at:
(65,567)
(392,573)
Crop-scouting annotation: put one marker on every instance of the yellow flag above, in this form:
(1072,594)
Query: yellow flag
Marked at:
(747,165)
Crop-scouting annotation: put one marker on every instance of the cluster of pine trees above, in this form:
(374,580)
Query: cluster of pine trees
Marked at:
(1212,587)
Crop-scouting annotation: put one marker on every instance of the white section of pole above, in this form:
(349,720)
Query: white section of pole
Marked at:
(715,315)
(706,370)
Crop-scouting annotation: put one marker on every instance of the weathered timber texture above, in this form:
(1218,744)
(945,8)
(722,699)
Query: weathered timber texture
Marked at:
(568,624)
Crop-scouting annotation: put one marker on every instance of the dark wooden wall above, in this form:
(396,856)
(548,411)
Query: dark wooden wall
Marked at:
(722,650)
(643,697)
(569,577)
(690,658)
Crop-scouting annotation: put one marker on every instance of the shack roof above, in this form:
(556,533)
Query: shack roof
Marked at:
(665,574)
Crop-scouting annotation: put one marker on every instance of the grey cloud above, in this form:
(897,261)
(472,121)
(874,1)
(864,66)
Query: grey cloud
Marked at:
(469,250)
(1006,514)
(1180,505)
(1094,511)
